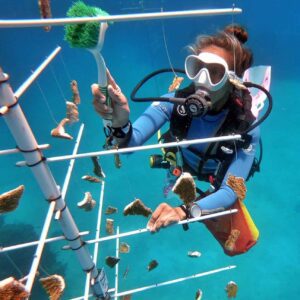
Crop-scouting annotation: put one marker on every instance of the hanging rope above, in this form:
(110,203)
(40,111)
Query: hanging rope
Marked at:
(165,44)
(14,264)
(57,83)
(46,102)
(65,67)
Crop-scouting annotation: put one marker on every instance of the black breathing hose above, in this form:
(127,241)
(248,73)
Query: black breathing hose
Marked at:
(270,106)
(145,79)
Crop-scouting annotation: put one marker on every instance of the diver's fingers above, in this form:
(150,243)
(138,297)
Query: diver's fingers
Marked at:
(103,113)
(116,95)
(99,103)
(169,217)
(155,221)
(101,108)
(98,96)
(110,79)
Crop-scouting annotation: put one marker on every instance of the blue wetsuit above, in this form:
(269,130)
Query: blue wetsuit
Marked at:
(203,127)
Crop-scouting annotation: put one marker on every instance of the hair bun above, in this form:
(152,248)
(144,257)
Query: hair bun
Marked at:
(238,31)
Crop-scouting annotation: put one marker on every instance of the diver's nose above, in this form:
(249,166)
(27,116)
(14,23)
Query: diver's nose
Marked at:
(202,78)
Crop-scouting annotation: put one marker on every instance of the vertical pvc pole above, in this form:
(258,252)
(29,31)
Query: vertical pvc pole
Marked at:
(97,235)
(117,265)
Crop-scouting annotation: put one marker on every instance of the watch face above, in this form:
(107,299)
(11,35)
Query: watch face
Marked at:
(195,211)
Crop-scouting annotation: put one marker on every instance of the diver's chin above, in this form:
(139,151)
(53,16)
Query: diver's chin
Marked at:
(218,101)
(219,98)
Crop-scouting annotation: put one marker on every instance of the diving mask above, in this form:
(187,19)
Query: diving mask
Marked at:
(207,70)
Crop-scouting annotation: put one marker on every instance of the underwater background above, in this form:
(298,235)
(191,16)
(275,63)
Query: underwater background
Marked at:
(270,270)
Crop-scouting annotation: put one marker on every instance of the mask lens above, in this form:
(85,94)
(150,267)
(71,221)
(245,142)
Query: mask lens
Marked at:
(194,65)
(216,72)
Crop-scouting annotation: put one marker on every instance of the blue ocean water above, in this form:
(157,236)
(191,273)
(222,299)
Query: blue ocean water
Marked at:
(270,270)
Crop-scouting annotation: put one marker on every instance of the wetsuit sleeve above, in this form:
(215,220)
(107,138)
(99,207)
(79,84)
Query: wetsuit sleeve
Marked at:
(240,167)
(155,116)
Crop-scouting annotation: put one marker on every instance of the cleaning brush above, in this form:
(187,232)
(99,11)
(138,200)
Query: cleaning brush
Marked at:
(91,37)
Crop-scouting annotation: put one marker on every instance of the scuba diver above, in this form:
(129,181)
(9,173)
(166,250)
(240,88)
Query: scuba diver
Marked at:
(212,105)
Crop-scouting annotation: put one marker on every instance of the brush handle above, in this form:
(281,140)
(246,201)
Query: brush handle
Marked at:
(101,67)
(102,79)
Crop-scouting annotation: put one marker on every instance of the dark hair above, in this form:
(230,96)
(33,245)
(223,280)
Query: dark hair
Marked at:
(231,39)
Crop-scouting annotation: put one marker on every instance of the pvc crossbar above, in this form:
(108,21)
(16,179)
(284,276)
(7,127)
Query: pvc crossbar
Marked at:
(36,73)
(140,148)
(138,231)
(118,18)
(164,283)
(34,243)
(47,223)
(16,150)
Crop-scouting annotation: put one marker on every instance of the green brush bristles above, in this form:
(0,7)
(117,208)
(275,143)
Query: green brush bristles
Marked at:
(83,35)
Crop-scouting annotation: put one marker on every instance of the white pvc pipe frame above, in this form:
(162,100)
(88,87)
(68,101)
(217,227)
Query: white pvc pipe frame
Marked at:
(16,150)
(143,230)
(34,243)
(25,139)
(63,21)
(47,223)
(164,283)
(97,235)
(140,148)
(119,18)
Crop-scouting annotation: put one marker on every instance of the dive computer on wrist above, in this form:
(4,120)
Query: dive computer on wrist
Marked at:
(195,211)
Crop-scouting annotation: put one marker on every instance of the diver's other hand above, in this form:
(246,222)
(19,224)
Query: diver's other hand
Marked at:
(119,112)
(165,215)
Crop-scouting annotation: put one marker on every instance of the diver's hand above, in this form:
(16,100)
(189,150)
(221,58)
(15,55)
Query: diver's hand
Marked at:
(165,215)
(119,112)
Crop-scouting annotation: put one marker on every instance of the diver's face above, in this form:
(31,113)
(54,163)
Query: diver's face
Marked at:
(219,97)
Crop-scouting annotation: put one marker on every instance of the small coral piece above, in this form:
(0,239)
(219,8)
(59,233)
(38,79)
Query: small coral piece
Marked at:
(238,185)
(45,11)
(75,92)
(88,203)
(109,226)
(117,160)
(111,261)
(97,167)
(54,286)
(72,112)
(194,253)
(12,289)
(111,210)
(60,132)
(231,289)
(198,295)
(124,248)
(152,265)
(230,242)
(91,178)
(137,207)
(175,84)
(126,297)
(185,188)
(9,201)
